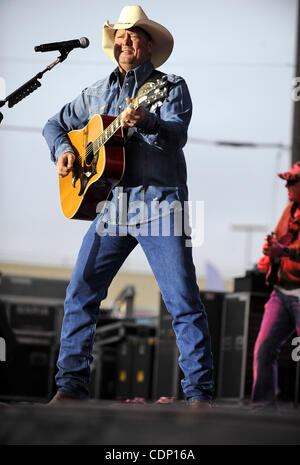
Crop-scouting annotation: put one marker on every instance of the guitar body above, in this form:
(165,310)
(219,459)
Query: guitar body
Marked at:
(95,172)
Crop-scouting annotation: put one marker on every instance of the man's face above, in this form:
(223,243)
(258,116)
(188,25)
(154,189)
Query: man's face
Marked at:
(132,48)
(293,191)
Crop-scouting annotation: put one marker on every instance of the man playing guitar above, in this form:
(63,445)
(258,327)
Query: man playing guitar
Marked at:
(155,173)
(281,262)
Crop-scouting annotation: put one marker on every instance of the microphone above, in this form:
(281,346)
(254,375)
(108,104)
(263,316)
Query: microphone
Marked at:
(66,45)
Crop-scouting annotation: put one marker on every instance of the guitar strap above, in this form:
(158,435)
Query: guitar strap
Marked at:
(152,78)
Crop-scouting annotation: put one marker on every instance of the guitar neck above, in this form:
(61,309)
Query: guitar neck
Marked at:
(152,94)
(113,127)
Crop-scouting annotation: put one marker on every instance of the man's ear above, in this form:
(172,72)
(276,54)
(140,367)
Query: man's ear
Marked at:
(150,46)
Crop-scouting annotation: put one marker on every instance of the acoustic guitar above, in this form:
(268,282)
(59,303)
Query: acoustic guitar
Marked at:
(100,157)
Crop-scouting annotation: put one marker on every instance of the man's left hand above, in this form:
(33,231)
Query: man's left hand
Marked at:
(132,117)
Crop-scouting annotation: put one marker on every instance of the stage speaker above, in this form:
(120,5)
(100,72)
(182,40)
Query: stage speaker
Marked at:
(253,281)
(135,367)
(213,303)
(167,373)
(103,372)
(31,316)
(242,315)
(28,372)
(125,356)
(122,364)
(30,329)
(26,286)
(143,367)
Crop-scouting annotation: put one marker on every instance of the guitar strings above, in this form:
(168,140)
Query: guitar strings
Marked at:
(110,130)
(106,134)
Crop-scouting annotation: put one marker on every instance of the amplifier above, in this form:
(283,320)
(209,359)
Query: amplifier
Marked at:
(122,360)
(26,286)
(213,303)
(167,374)
(166,371)
(28,315)
(103,371)
(28,373)
(253,281)
(242,315)
(124,368)
(143,367)
(135,367)
(33,305)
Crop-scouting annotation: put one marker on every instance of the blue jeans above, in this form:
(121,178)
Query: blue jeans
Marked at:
(99,259)
(281,318)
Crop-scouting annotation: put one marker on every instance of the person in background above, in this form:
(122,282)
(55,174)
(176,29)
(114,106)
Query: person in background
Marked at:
(281,263)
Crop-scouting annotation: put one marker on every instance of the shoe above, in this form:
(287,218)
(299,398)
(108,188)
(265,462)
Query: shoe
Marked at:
(62,397)
(204,404)
(261,407)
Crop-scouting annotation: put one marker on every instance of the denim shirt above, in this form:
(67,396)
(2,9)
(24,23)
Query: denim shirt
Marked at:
(155,167)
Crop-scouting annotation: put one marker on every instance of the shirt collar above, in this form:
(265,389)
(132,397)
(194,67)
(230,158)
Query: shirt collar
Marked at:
(141,73)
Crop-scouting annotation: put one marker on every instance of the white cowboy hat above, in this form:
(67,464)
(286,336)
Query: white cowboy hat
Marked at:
(134,16)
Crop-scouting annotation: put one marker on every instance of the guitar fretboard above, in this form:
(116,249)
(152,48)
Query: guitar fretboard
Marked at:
(112,128)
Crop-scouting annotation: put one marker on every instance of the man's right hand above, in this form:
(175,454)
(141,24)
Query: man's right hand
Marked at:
(65,164)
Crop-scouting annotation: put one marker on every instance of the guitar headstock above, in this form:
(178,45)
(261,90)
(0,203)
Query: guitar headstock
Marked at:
(152,92)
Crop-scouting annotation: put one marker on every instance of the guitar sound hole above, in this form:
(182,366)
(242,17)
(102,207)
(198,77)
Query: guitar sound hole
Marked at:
(89,154)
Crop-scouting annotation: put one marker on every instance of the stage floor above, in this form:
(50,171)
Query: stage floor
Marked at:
(119,423)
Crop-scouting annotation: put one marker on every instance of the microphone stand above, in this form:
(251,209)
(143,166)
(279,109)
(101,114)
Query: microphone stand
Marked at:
(31,85)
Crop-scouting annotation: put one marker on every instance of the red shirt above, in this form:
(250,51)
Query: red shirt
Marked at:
(289,226)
